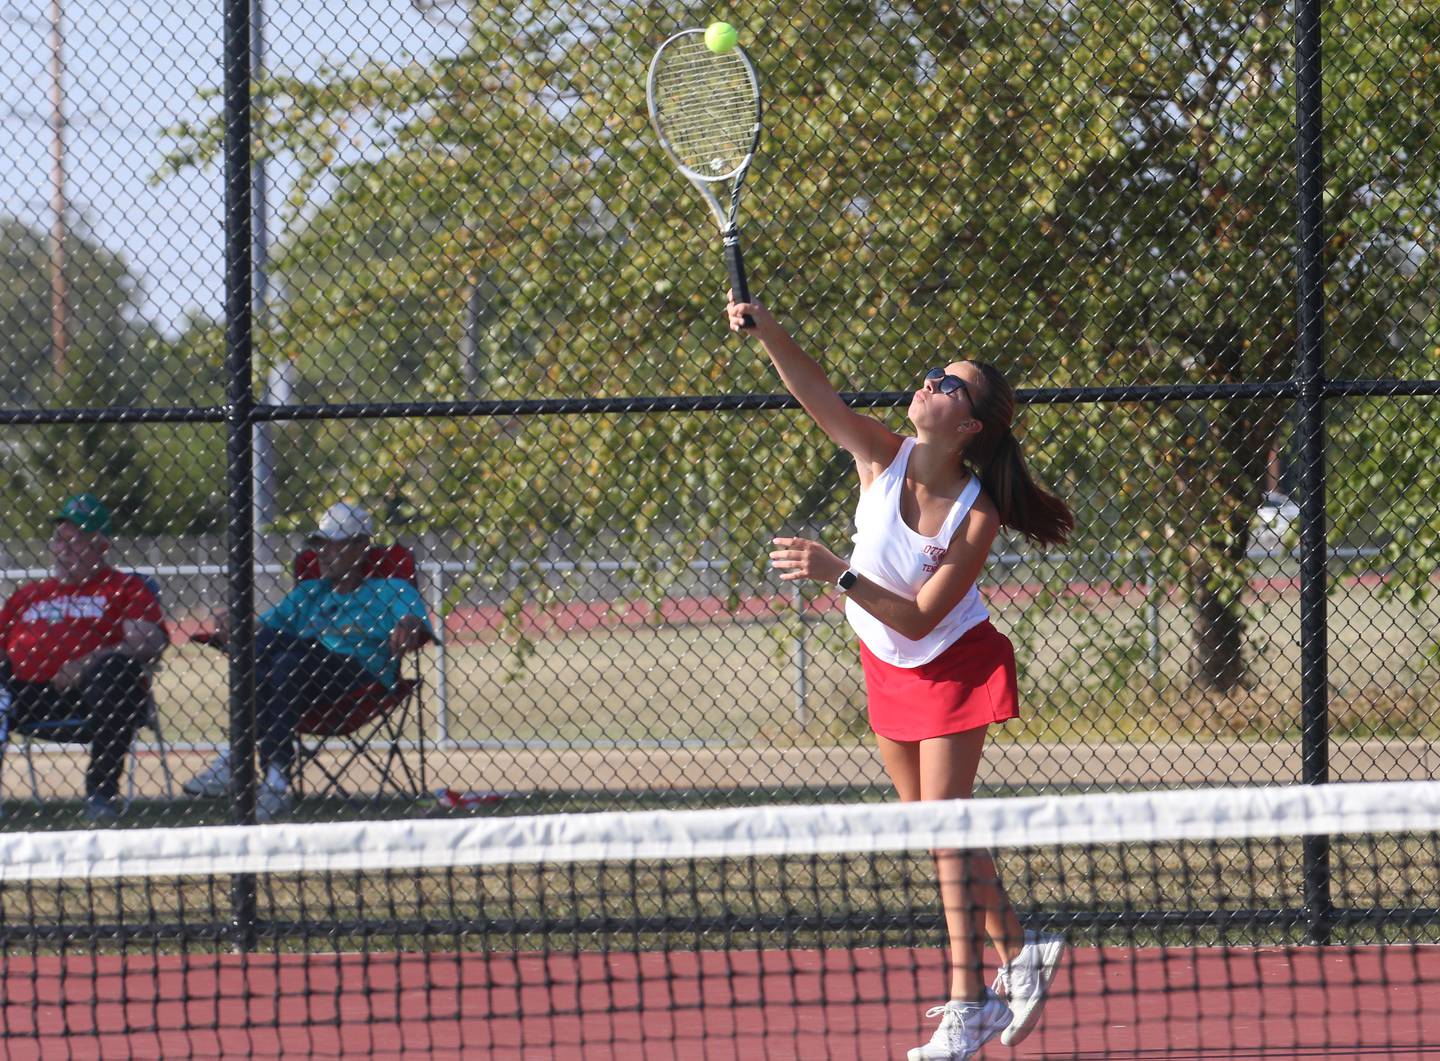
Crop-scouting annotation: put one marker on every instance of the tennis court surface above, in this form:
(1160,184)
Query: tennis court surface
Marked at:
(784,932)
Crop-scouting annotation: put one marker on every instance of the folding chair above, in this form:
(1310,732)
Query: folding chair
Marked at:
(77,731)
(369,722)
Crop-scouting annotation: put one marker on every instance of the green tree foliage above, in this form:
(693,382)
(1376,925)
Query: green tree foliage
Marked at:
(1383,64)
(187,461)
(100,369)
(156,479)
(100,320)
(1091,193)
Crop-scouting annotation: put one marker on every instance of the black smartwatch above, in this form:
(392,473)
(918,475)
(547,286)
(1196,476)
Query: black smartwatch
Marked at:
(847,581)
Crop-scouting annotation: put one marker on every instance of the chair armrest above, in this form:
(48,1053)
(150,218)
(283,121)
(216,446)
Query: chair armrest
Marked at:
(426,638)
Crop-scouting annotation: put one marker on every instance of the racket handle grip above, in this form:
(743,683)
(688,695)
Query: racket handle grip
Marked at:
(735,266)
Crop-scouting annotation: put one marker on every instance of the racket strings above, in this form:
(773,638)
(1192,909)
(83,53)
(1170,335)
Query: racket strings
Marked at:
(705,107)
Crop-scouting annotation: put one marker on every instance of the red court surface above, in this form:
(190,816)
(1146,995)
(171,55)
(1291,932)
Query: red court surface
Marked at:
(1177,1004)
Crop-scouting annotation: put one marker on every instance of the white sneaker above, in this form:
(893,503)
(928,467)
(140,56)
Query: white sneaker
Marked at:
(1025,981)
(964,1028)
(101,810)
(214,780)
(273,798)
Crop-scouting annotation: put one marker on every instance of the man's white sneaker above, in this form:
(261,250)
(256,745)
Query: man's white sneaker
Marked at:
(214,780)
(101,810)
(271,802)
(964,1028)
(1025,982)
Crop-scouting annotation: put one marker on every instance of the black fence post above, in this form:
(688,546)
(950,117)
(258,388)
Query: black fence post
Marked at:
(1310,375)
(239,335)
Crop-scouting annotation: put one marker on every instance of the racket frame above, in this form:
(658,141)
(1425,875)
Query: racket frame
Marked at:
(726,219)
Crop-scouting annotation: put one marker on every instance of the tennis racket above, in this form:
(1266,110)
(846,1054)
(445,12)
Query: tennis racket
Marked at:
(706,110)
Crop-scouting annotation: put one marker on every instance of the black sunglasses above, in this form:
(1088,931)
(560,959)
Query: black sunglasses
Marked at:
(947,384)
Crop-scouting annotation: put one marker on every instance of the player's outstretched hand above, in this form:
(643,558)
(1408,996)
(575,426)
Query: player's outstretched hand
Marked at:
(802,558)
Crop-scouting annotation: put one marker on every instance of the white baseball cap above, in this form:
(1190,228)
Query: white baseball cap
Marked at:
(343,521)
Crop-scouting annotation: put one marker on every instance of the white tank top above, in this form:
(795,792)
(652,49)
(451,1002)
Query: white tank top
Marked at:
(888,552)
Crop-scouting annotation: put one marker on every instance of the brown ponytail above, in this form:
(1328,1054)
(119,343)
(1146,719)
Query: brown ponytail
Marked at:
(996,457)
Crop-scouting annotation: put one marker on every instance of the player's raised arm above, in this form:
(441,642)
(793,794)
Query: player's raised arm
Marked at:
(866,438)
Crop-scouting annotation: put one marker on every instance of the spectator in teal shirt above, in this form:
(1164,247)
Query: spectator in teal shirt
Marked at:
(329,636)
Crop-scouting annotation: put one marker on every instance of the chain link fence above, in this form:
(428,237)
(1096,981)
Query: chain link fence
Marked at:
(429,260)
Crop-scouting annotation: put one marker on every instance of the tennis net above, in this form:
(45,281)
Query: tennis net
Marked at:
(1280,922)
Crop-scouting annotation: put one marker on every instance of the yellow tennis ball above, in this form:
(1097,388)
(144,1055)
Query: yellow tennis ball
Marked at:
(720,37)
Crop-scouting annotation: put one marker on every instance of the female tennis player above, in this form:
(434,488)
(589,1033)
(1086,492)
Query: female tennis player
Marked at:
(937,673)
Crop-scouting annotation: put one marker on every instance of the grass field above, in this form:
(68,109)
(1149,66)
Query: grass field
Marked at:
(1102,668)
(708,713)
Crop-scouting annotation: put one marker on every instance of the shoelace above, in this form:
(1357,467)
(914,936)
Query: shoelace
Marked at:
(941,1011)
(1002,981)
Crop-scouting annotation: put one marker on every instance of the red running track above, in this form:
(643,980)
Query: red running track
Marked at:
(1337,1003)
(487,622)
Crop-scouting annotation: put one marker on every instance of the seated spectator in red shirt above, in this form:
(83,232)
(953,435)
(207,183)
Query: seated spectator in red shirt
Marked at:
(79,645)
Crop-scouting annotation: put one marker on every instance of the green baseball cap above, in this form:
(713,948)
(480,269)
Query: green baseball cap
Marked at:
(87,512)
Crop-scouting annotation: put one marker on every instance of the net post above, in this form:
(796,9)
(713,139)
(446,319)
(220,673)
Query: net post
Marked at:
(240,454)
(1310,376)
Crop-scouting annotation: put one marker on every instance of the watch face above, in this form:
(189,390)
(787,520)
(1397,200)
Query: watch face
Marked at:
(847,579)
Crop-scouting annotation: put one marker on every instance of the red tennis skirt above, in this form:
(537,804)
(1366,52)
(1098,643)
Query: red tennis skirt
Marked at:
(971,684)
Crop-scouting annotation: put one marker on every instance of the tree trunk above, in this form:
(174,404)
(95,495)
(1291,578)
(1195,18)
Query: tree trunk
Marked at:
(1217,659)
